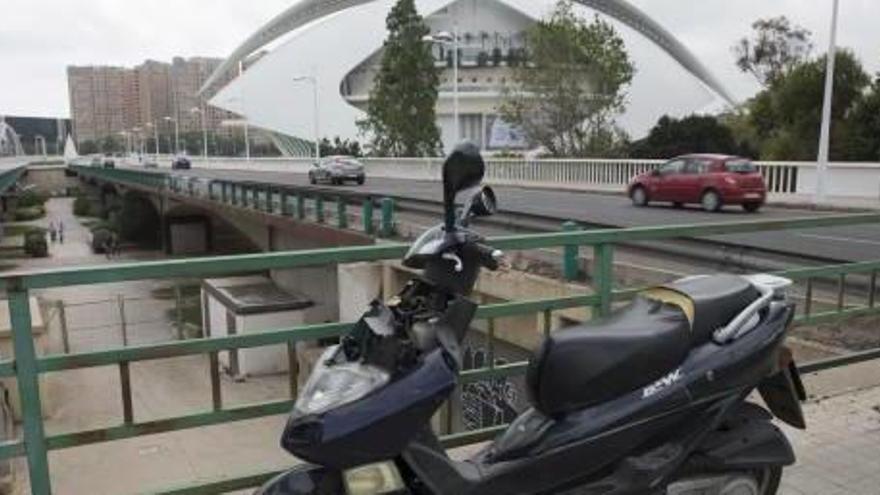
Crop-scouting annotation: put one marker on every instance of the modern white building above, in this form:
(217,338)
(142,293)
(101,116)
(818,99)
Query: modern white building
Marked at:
(316,81)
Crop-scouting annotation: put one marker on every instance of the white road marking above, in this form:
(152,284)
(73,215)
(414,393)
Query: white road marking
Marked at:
(841,239)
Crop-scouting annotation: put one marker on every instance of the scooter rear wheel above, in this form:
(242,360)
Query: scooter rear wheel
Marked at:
(762,482)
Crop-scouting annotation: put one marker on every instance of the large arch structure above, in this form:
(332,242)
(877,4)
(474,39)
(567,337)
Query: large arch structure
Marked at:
(308,11)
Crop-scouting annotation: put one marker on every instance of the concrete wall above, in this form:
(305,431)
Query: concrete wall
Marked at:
(359,285)
(50,179)
(856,180)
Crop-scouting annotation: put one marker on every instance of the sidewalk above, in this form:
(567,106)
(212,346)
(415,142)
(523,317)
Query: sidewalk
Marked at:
(798,201)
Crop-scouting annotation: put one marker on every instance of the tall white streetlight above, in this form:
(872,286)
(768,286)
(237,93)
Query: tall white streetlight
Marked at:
(155,137)
(446,38)
(127,137)
(176,134)
(204,130)
(314,81)
(138,141)
(825,134)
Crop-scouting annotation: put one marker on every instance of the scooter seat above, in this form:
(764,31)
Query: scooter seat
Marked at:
(714,300)
(588,364)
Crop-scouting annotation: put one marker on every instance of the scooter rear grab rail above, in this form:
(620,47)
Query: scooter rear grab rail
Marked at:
(769,286)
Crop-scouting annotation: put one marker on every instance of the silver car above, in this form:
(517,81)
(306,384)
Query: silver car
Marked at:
(337,170)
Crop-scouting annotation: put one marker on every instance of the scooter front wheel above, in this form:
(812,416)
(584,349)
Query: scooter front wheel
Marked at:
(304,480)
(760,482)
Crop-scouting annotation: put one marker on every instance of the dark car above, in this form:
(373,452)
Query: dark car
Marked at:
(337,170)
(181,163)
(709,180)
(108,161)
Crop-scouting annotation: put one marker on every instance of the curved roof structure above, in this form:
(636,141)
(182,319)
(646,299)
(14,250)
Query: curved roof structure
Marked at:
(308,11)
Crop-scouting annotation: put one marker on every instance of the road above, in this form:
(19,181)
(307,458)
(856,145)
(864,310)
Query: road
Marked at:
(837,244)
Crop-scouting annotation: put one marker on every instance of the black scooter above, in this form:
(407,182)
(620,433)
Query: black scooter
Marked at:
(649,401)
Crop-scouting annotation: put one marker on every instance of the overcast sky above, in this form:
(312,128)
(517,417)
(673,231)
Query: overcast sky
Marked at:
(39,38)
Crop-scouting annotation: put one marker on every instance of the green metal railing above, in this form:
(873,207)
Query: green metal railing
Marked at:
(291,201)
(26,368)
(9,177)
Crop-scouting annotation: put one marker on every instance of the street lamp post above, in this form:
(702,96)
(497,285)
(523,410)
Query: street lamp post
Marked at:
(446,38)
(825,134)
(176,134)
(314,81)
(204,131)
(155,137)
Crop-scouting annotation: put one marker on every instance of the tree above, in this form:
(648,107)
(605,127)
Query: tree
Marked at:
(569,85)
(693,134)
(88,147)
(859,134)
(787,115)
(340,147)
(401,118)
(776,47)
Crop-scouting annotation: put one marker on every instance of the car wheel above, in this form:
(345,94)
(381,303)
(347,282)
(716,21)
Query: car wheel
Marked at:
(312,179)
(752,207)
(711,201)
(678,205)
(361,180)
(639,196)
(336,181)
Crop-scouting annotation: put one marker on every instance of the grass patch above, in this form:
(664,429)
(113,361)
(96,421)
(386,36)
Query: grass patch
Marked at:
(26,214)
(187,290)
(16,230)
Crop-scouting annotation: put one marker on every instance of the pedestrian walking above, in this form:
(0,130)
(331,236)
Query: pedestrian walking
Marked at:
(61,232)
(52,232)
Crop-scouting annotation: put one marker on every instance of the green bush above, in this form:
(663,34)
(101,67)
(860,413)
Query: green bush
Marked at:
(100,238)
(29,213)
(82,206)
(31,198)
(35,243)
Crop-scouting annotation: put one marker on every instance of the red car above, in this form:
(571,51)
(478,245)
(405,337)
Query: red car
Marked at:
(709,180)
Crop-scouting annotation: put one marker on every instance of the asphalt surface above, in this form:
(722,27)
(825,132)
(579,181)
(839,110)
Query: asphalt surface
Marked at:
(843,244)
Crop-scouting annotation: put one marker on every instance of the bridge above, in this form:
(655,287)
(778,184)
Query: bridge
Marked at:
(301,227)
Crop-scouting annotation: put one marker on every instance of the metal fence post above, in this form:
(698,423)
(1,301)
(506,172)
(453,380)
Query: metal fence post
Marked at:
(387,217)
(285,199)
(62,320)
(570,254)
(300,206)
(367,216)
(120,299)
(319,209)
(178,297)
(29,390)
(603,277)
(341,216)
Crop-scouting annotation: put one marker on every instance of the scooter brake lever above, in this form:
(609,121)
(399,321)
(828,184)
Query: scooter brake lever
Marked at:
(459,265)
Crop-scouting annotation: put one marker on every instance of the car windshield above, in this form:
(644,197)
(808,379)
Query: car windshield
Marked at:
(741,166)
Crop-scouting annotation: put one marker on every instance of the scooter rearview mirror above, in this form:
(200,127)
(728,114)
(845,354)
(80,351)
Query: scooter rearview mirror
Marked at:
(463,169)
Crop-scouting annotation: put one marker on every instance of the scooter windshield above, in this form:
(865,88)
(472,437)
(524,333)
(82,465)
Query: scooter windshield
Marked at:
(429,244)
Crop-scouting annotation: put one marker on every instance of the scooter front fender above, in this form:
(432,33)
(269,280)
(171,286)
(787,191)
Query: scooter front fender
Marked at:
(306,479)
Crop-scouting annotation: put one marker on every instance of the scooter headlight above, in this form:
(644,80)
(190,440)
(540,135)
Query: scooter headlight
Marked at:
(337,385)
(374,479)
